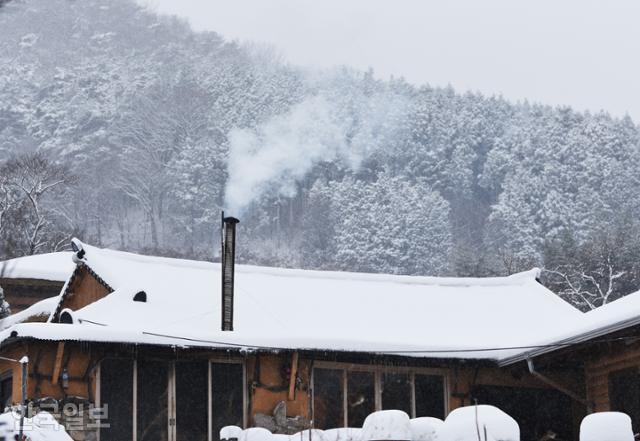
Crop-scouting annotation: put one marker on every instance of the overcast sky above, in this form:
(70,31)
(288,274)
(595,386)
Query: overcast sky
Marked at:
(584,53)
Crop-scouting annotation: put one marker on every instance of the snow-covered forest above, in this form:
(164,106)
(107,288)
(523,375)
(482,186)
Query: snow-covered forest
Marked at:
(132,131)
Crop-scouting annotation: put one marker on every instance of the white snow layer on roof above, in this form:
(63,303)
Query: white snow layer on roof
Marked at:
(617,315)
(42,308)
(300,309)
(53,266)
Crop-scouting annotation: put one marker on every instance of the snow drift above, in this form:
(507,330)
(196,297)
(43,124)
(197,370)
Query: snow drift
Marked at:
(606,426)
(484,421)
(387,425)
(425,428)
(42,427)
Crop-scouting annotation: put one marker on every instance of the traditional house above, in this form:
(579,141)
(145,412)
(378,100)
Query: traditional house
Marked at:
(166,351)
(28,280)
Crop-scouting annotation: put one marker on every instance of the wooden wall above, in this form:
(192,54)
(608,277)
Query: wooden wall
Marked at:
(269,389)
(78,361)
(84,290)
(598,368)
(47,362)
(268,386)
(22,293)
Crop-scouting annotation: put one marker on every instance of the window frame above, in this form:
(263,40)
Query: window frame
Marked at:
(378,371)
(8,375)
(171,396)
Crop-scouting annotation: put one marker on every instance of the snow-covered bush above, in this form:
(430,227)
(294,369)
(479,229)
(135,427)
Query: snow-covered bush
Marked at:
(42,427)
(487,422)
(343,434)
(386,425)
(308,435)
(425,428)
(255,434)
(606,426)
(230,432)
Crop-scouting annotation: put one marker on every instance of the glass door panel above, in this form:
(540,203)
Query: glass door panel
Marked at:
(192,379)
(116,398)
(396,391)
(429,395)
(152,402)
(328,398)
(361,392)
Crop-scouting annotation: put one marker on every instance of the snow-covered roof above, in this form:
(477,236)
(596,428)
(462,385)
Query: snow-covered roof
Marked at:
(53,266)
(43,308)
(301,309)
(615,316)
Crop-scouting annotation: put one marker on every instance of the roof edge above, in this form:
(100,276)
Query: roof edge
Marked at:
(570,341)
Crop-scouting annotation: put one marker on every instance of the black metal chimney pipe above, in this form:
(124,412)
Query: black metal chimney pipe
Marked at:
(228,260)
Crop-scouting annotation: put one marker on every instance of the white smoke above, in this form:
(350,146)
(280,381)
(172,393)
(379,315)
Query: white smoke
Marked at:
(278,154)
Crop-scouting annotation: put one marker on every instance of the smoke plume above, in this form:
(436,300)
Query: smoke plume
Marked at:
(274,157)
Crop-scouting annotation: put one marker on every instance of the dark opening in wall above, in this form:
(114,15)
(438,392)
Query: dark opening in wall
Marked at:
(360,397)
(66,318)
(624,394)
(116,392)
(227,392)
(328,402)
(192,380)
(152,403)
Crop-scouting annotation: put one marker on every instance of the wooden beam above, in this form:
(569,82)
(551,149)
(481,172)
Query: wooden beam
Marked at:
(57,367)
(292,378)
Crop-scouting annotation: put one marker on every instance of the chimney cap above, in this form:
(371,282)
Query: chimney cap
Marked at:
(230,220)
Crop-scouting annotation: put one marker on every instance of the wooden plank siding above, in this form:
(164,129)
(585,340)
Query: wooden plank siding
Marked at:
(598,369)
(22,293)
(83,290)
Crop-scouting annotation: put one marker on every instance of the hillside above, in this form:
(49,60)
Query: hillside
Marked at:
(156,128)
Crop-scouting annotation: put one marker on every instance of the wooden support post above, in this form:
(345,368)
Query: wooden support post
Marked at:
(294,375)
(57,367)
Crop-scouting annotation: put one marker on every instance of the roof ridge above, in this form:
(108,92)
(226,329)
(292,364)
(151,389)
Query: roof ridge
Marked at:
(513,279)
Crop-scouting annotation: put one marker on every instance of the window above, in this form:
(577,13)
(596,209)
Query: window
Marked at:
(396,391)
(116,394)
(624,394)
(429,396)
(344,395)
(227,396)
(360,397)
(328,398)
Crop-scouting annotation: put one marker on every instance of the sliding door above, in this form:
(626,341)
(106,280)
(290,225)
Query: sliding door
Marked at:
(191,400)
(116,399)
(152,422)
(227,396)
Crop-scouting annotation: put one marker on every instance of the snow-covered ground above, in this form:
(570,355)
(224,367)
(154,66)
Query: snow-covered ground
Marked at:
(471,423)
(42,427)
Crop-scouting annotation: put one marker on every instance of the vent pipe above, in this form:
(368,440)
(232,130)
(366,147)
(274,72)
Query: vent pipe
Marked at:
(228,259)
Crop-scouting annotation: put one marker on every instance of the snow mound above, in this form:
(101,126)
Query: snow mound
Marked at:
(606,426)
(343,434)
(255,434)
(425,428)
(387,425)
(42,427)
(229,432)
(464,423)
(308,435)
